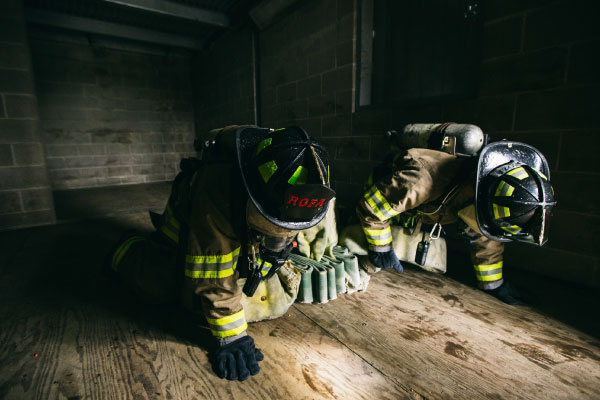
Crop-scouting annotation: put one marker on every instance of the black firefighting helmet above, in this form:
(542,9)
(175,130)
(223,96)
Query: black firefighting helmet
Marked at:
(513,196)
(286,174)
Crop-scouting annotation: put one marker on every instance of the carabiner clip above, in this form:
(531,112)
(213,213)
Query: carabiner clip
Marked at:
(436,232)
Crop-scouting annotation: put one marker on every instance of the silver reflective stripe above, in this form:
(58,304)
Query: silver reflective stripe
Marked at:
(229,326)
(380,237)
(208,266)
(491,272)
(380,249)
(380,205)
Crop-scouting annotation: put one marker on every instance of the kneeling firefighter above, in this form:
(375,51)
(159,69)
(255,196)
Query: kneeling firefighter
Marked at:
(500,192)
(232,214)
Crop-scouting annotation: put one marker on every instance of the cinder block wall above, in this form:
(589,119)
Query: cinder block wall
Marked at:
(224,83)
(538,84)
(25,196)
(307,65)
(111,117)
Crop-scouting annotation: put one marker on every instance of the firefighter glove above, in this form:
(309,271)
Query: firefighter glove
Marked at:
(237,360)
(509,294)
(385,260)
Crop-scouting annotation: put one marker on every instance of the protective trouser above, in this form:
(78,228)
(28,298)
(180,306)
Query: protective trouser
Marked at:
(148,267)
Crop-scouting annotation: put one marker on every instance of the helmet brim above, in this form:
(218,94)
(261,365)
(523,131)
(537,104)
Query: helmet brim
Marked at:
(495,155)
(247,139)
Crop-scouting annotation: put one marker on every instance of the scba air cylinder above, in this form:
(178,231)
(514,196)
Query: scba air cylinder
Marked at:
(459,139)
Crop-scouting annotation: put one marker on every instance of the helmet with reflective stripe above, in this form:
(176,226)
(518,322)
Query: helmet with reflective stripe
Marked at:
(286,174)
(513,195)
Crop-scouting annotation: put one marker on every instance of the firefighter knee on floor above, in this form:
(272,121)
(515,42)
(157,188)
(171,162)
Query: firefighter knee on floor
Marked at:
(499,192)
(232,214)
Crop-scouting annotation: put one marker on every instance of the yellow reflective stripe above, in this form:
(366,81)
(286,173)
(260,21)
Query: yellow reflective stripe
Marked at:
(261,146)
(504,189)
(488,267)
(514,229)
(299,176)
(267,170)
(209,274)
(386,205)
(499,189)
(518,173)
(379,237)
(216,259)
(193,178)
(540,174)
(175,223)
(170,234)
(122,249)
(231,332)
(370,180)
(487,278)
(500,212)
(382,209)
(230,325)
(228,319)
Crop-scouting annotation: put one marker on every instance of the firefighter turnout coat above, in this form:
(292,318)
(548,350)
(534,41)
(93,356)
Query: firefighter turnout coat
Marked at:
(204,232)
(428,186)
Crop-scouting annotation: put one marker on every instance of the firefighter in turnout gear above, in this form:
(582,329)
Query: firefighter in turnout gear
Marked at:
(502,195)
(232,214)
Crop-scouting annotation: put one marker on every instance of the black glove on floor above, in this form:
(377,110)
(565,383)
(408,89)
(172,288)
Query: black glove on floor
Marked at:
(385,260)
(237,360)
(509,294)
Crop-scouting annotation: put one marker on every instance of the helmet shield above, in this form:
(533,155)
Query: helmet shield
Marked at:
(286,175)
(513,195)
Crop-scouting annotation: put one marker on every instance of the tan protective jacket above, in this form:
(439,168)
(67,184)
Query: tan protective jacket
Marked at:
(205,218)
(437,187)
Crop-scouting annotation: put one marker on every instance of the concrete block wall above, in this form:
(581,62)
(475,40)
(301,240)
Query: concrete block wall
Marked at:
(111,117)
(308,67)
(25,195)
(539,84)
(224,89)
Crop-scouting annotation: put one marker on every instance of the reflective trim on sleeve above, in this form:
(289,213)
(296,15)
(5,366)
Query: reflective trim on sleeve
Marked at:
(213,266)
(266,266)
(489,273)
(382,209)
(488,278)
(379,237)
(230,325)
(171,225)
(122,249)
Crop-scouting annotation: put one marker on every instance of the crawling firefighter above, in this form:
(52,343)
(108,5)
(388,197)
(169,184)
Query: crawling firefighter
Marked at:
(500,192)
(235,212)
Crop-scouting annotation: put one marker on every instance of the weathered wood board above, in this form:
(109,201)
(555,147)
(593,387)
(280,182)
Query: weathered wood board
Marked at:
(409,336)
(67,333)
(445,340)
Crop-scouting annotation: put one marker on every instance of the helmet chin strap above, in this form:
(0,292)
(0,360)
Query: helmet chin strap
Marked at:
(314,154)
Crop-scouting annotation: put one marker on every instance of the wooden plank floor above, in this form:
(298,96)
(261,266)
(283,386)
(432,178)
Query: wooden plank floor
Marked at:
(67,333)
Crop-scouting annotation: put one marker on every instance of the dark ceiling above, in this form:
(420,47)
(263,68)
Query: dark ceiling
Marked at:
(189,24)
